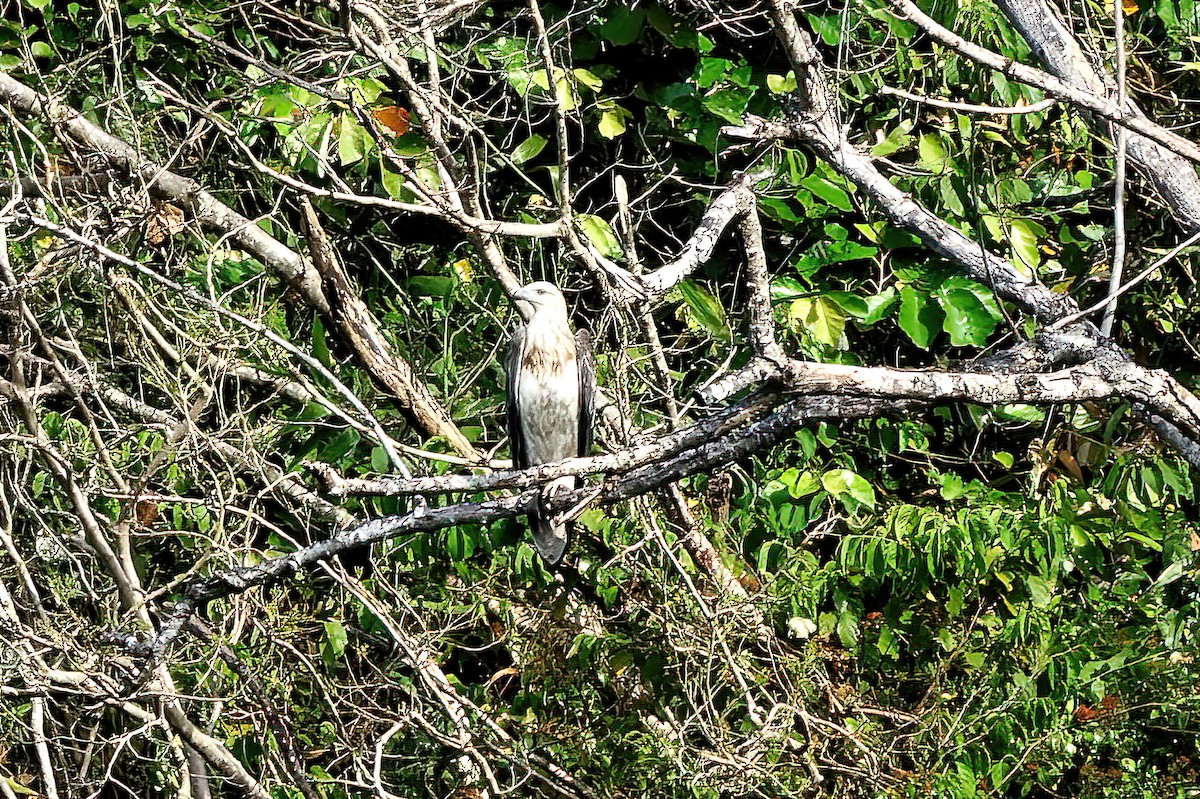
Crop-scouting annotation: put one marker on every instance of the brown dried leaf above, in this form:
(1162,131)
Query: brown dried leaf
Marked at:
(393,119)
(164,221)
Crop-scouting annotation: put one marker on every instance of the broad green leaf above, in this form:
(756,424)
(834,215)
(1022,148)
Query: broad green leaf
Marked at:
(823,318)
(919,318)
(704,309)
(950,196)
(393,184)
(1020,413)
(898,138)
(336,637)
(828,191)
(430,285)
(850,303)
(781,84)
(379,460)
(847,630)
(728,104)
(968,321)
(354,142)
(585,77)
(1039,591)
(564,93)
(879,305)
(1023,235)
(932,153)
(319,345)
(788,288)
(624,25)
(829,28)
(600,234)
(1170,574)
(843,483)
(827,252)
(528,149)
(612,121)
(711,70)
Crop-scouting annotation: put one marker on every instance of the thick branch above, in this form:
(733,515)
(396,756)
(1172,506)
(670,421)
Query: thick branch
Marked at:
(360,331)
(206,208)
(746,440)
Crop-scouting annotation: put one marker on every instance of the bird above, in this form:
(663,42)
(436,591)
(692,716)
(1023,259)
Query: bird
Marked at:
(550,399)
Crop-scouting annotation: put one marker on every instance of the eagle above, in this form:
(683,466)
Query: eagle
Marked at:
(550,389)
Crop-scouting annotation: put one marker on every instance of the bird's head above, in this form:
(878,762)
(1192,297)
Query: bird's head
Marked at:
(540,297)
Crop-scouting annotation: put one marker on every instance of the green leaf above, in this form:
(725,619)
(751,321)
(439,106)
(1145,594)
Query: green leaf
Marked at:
(711,70)
(319,346)
(879,305)
(781,84)
(336,638)
(728,104)
(393,184)
(932,153)
(585,77)
(430,285)
(829,28)
(1023,235)
(1039,591)
(849,302)
(826,253)
(788,288)
(600,234)
(624,25)
(564,94)
(379,460)
(968,321)
(919,318)
(354,142)
(612,121)
(826,190)
(845,484)
(847,629)
(1169,574)
(821,317)
(705,310)
(528,149)
(899,138)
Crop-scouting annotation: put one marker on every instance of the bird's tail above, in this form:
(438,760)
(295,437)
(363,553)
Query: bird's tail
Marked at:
(551,538)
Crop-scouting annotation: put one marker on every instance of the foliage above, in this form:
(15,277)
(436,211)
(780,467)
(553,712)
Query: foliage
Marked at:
(965,602)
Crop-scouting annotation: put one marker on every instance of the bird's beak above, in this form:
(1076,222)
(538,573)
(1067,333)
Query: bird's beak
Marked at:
(524,304)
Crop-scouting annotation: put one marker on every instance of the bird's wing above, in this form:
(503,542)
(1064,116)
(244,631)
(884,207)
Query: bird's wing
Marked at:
(512,372)
(586,366)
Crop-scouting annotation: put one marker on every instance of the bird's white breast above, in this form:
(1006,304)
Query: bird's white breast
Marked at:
(549,392)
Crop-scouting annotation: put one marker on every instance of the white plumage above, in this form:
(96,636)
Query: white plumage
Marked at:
(550,398)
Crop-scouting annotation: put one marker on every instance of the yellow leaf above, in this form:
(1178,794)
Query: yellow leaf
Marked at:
(464,271)
(1129,7)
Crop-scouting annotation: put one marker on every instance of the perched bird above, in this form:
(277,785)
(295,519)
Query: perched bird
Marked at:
(550,386)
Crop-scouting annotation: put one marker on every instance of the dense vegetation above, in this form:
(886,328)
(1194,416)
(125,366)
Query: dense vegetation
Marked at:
(891,586)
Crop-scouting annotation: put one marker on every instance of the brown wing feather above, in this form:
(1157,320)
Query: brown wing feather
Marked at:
(512,369)
(586,366)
